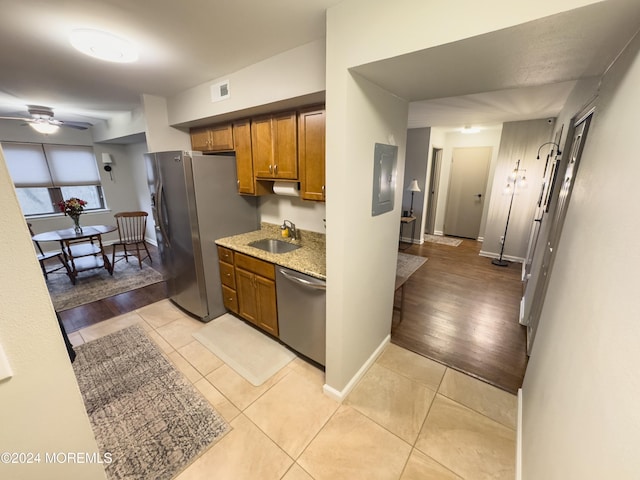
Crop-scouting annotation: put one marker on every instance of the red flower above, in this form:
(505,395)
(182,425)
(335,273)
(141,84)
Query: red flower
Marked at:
(72,206)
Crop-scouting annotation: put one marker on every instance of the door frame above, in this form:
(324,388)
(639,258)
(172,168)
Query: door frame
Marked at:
(557,219)
(434,186)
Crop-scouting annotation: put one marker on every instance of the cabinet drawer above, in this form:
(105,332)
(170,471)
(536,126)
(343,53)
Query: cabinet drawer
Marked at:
(230,299)
(225,255)
(227,275)
(254,265)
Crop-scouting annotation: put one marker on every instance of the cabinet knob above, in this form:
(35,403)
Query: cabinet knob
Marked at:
(270,168)
(275,169)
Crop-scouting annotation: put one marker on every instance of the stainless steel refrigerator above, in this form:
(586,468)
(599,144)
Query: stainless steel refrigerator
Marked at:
(194,201)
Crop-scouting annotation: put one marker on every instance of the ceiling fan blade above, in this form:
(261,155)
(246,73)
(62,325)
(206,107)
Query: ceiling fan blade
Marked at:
(16,118)
(77,125)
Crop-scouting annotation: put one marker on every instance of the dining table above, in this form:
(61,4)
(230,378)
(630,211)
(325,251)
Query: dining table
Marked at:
(82,250)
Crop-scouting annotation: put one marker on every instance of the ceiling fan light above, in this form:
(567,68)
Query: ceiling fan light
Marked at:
(44,127)
(103,45)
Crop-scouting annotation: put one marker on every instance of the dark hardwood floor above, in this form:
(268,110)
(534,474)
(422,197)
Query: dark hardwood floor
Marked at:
(91,313)
(462,311)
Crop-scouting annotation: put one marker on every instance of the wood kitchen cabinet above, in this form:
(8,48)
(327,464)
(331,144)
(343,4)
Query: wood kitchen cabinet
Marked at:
(311,153)
(216,138)
(247,184)
(228,279)
(274,140)
(256,292)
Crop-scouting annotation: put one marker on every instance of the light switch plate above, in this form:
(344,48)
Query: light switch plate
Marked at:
(5,368)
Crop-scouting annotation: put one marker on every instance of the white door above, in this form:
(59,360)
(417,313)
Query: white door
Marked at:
(467,185)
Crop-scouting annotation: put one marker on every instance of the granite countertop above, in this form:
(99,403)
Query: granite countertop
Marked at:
(310,258)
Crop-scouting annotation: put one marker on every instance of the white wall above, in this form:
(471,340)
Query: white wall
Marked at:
(581,389)
(416,167)
(358,32)
(304,214)
(160,135)
(295,73)
(42,409)
(519,141)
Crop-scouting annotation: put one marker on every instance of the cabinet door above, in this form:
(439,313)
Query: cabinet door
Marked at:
(268,313)
(285,146)
(311,154)
(245,288)
(262,145)
(200,139)
(244,158)
(221,138)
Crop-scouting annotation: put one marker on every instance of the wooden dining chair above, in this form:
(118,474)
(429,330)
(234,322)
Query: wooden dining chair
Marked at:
(43,257)
(131,229)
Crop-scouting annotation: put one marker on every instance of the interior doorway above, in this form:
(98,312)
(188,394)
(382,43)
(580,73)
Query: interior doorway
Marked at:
(467,185)
(434,185)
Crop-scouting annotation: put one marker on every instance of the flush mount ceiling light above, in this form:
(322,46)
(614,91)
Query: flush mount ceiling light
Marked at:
(103,45)
(469,129)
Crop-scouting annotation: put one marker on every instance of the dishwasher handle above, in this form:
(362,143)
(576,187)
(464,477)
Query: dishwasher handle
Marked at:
(302,281)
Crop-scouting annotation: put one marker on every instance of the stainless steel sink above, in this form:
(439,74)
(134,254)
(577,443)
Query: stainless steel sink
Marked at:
(272,245)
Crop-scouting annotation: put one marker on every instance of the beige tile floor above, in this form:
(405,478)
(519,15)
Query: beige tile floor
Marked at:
(408,418)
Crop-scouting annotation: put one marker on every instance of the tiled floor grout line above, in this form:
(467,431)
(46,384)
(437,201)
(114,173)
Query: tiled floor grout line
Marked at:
(149,327)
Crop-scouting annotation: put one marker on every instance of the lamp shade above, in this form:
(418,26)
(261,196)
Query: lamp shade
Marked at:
(413,187)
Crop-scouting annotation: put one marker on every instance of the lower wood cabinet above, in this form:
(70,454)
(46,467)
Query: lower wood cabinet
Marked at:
(228,279)
(252,292)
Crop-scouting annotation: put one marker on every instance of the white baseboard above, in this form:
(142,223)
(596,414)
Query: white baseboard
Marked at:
(417,241)
(340,395)
(519,438)
(484,253)
(521,316)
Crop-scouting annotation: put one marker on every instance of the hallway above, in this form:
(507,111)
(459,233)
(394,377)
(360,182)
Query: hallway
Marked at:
(462,311)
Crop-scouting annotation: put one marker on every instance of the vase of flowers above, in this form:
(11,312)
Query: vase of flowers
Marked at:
(73,207)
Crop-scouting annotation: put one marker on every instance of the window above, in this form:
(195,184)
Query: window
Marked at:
(47,174)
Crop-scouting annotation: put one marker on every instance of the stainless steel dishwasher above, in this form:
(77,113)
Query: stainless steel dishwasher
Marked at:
(301,312)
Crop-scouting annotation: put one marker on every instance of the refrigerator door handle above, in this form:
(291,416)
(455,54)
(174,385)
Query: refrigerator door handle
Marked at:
(160,199)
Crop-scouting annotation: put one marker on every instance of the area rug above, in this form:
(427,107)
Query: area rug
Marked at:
(92,285)
(453,242)
(252,354)
(408,264)
(143,411)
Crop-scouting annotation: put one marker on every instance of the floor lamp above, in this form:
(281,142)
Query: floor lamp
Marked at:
(516,177)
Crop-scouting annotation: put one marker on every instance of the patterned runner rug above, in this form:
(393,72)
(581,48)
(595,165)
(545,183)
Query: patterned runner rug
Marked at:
(143,411)
(92,285)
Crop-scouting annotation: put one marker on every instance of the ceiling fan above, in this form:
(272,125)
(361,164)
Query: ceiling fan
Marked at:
(41,119)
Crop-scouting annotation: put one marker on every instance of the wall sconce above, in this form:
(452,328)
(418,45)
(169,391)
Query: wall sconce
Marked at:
(517,178)
(413,188)
(549,143)
(107,160)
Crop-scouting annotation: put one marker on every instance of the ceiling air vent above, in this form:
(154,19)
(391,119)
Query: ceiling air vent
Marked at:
(220,91)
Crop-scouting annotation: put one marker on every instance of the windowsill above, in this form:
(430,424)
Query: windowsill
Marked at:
(60,215)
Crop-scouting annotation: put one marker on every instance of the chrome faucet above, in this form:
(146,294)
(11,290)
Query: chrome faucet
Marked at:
(291,228)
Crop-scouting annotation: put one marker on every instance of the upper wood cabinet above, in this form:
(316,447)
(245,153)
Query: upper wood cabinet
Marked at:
(217,138)
(311,153)
(275,144)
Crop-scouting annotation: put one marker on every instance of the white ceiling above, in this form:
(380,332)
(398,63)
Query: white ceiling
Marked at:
(517,73)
